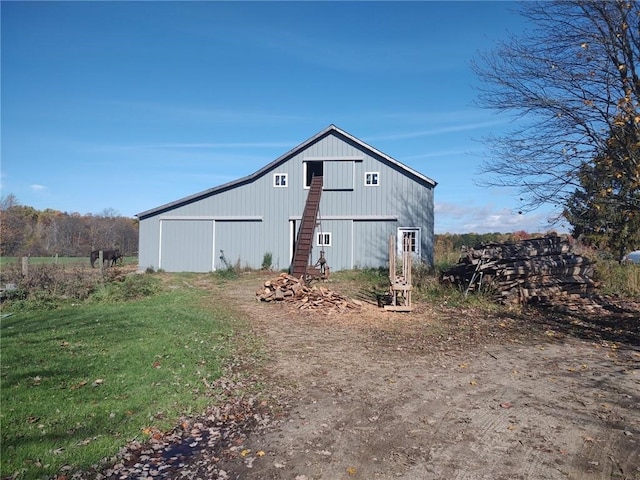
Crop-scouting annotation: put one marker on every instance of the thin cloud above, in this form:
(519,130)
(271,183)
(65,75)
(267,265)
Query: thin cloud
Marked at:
(451,209)
(36,187)
(436,131)
(443,153)
(197,146)
(456,218)
(169,110)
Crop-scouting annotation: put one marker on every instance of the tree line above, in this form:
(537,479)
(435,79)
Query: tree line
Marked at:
(453,243)
(26,231)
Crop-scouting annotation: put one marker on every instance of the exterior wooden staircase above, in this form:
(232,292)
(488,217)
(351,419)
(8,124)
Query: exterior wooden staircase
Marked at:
(304,241)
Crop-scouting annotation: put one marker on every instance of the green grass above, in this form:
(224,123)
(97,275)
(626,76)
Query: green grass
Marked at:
(45,260)
(4,261)
(373,282)
(619,279)
(81,381)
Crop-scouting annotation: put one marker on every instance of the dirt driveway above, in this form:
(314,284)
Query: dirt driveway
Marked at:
(444,393)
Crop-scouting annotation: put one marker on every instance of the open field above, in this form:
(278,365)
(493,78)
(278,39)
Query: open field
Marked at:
(4,261)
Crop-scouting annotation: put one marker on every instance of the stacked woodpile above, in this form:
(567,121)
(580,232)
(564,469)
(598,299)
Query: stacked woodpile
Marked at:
(287,288)
(538,270)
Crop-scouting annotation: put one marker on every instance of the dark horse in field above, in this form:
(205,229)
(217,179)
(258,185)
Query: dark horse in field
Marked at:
(111,256)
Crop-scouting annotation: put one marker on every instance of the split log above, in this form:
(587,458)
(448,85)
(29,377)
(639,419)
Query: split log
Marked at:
(537,270)
(287,288)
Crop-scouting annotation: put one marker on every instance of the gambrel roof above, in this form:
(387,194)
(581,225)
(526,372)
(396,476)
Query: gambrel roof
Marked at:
(283,158)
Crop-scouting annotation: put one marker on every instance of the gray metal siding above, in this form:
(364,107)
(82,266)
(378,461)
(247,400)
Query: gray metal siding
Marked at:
(369,238)
(338,175)
(338,254)
(186,245)
(148,243)
(243,244)
(397,195)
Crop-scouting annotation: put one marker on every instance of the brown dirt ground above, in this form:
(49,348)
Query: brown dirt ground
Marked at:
(442,393)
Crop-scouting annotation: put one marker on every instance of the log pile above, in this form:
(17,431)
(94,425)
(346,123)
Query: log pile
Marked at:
(538,270)
(287,288)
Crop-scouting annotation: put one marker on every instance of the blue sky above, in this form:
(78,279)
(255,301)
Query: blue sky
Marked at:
(131,105)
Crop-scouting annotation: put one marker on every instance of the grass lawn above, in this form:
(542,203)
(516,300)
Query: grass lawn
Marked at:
(4,261)
(79,382)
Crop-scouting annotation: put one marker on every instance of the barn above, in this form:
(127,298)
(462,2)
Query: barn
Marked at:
(350,196)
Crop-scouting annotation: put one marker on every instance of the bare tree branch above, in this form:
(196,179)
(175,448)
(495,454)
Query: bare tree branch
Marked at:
(565,82)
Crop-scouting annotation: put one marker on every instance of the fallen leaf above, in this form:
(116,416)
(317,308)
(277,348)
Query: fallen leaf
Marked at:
(260,453)
(352,470)
(506,405)
(245,452)
(473,382)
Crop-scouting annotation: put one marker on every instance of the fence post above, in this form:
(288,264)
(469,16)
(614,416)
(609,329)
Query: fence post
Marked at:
(25,266)
(101,260)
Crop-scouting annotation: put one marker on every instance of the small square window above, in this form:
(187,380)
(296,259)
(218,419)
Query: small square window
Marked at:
(323,239)
(372,179)
(409,240)
(279,179)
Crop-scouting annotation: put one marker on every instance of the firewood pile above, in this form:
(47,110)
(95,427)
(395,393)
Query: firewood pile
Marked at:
(538,270)
(287,288)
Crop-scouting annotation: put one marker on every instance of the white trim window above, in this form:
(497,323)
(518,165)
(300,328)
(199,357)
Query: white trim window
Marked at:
(409,239)
(371,179)
(323,239)
(280,180)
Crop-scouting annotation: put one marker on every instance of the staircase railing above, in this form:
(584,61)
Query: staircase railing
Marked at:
(307,228)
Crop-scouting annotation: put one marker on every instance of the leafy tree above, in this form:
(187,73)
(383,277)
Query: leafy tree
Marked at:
(571,83)
(26,231)
(605,210)
(16,226)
